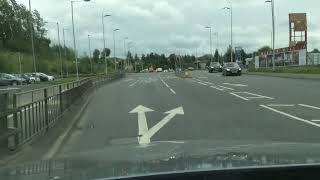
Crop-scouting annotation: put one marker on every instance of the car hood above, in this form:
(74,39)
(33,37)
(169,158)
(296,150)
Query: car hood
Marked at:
(161,157)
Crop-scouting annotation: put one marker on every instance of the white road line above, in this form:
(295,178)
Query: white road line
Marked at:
(202,83)
(238,85)
(290,116)
(281,105)
(314,120)
(258,95)
(239,96)
(227,88)
(172,91)
(214,87)
(312,107)
(134,83)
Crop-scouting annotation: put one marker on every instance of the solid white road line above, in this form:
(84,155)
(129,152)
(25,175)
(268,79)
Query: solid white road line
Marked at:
(172,91)
(134,83)
(266,97)
(202,83)
(226,88)
(281,105)
(239,96)
(314,120)
(214,87)
(290,116)
(312,107)
(238,85)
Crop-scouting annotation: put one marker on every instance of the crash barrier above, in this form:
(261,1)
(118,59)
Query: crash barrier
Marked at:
(183,74)
(34,112)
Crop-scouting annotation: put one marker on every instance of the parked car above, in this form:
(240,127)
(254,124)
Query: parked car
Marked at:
(44,77)
(27,79)
(215,67)
(159,69)
(32,77)
(8,79)
(191,68)
(231,69)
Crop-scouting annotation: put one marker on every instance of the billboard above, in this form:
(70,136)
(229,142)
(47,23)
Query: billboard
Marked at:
(297,28)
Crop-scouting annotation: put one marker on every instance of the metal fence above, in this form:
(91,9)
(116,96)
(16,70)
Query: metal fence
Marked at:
(35,112)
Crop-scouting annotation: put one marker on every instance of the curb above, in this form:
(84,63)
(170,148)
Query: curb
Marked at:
(288,76)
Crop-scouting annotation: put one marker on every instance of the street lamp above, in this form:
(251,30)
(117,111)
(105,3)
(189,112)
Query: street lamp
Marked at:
(231,22)
(124,47)
(65,50)
(32,40)
(208,27)
(74,37)
(89,41)
(114,48)
(104,39)
(273,33)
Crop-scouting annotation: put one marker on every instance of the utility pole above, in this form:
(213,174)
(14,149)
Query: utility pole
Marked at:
(32,40)
(20,65)
(90,58)
(65,51)
(60,57)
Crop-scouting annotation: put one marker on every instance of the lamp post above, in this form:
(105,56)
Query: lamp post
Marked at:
(32,40)
(65,51)
(273,33)
(60,57)
(209,27)
(74,37)
(231,31)
(125,51)
(90,58)
(114,49)
(104,38)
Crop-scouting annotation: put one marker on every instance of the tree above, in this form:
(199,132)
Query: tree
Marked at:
(227,55)
(106,52)
(265,48)
(129,57)
(315,51)
(216,57)
(136,58)
(96,54)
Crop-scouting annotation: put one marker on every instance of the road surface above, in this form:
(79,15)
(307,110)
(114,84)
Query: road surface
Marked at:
(142,109)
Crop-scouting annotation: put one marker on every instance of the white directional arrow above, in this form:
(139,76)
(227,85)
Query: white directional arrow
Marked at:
(142,120)
(163,122)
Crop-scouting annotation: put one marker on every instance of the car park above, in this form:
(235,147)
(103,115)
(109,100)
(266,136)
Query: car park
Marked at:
(231,69)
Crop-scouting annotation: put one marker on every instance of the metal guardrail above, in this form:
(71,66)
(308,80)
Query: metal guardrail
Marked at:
(34,112)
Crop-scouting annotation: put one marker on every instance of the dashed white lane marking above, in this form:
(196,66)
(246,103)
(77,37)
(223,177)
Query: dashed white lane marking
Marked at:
(312,107)
(290,116)
(215,87)
(202,83)
(281,105)
(226,88)
(134,83)
(239,96)
(172,91)
(237,85)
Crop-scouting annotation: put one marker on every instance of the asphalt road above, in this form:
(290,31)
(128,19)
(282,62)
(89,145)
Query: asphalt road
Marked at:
(205,107)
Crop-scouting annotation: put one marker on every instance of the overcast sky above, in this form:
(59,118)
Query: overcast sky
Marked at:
(177,26)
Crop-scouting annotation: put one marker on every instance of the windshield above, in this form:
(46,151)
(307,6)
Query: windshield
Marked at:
(139,83)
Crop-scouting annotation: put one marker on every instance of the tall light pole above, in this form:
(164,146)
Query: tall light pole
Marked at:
(104,38)
(209,27)
(60,57)
(65,51)
(273,33)
(125,51)
(74,37)
(90,58)
(114,49)
(231,31)
(32,40)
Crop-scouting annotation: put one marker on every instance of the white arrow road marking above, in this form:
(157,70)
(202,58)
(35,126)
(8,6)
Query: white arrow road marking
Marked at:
(142,120)
(171,114)
(237,85)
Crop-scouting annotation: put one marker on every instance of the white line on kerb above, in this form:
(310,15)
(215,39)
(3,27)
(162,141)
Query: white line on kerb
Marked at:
(312,107)
(239,96)
(290,116)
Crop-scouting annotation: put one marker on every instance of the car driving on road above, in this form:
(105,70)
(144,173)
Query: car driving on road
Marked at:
(231,69)
(215,67)
(8,79)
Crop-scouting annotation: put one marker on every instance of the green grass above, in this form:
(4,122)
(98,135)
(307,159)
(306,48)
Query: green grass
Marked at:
(297,70)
